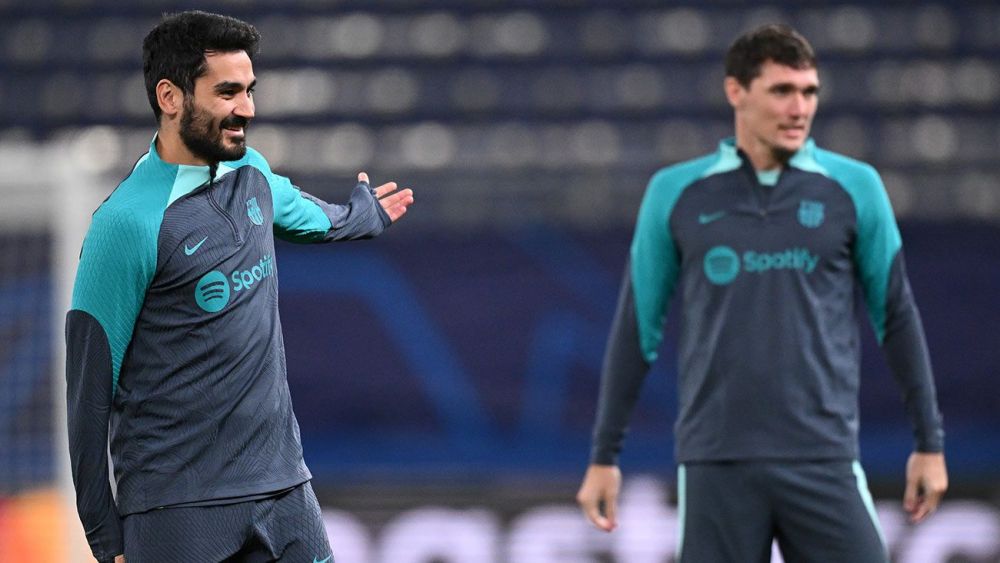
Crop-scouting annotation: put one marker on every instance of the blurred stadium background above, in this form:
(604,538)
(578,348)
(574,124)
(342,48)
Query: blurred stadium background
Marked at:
(445,376)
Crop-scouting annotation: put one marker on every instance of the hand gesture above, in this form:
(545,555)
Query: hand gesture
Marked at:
(393,202)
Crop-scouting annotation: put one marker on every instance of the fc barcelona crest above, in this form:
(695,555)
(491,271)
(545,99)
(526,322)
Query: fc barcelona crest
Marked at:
(810,213)
(253,211)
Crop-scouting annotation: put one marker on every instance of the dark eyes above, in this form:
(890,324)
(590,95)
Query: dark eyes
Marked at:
(788,90)
(231,93)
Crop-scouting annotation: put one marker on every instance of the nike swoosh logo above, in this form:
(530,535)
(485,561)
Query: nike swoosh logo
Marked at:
(706,218)
(323,561)
(189,250)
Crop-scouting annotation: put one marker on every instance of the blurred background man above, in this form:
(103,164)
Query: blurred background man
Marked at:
(533,130)
(768,241)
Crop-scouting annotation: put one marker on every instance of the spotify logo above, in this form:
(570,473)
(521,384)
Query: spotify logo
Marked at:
(212,292)
(721,265)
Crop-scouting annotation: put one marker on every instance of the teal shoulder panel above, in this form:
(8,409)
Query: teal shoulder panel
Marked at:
(654,257)
(293,213)
(878,240)
(805,159)
(119,255)
(725,159)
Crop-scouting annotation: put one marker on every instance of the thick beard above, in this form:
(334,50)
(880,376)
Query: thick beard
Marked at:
(203,137)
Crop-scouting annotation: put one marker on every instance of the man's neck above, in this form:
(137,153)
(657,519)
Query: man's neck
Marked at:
(761,157)
(172,149)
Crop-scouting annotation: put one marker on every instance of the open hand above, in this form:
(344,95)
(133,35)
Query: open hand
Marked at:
(393,202)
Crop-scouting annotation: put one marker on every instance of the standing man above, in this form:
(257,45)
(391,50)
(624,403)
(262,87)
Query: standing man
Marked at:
(767,239)
(174,341)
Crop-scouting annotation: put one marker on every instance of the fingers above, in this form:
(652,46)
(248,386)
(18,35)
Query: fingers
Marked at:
(922,502)
(611,512)
(598,496)
(591,507)
(593,514)
(396,204)
(913,503)
(926,483)
(385,189)
(381,191)
(930,504)
(910,496)
(921,509)
(605,521)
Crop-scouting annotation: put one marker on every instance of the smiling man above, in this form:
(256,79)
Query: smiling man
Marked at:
(174,343)
(767,239)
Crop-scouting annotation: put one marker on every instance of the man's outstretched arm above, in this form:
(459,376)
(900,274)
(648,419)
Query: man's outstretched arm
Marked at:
(368,212)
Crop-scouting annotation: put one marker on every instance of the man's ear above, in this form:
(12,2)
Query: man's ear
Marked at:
(734,91)
(169,97)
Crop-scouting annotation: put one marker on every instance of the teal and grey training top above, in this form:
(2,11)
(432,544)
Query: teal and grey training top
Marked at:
(174,341)
(767,267)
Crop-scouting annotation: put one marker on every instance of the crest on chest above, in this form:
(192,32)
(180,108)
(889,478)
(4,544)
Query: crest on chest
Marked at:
(811,213)
(253,211)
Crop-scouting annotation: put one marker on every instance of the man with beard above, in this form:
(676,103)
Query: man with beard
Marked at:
(174,346)
(767,240)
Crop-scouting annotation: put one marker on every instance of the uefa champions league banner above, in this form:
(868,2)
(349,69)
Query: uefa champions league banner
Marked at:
(438,532)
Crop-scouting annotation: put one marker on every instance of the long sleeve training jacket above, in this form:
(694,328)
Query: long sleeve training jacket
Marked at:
(769,347)
(174,348)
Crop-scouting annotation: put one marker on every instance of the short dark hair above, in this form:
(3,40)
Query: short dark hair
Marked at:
(773,42)
(175,49)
